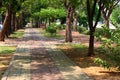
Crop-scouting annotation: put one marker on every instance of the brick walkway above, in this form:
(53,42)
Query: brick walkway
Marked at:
(37,58)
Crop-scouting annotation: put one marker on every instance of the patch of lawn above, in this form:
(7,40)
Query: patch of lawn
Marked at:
(46,34)
(17,34)
(7,49)
(73,49)
(6,53)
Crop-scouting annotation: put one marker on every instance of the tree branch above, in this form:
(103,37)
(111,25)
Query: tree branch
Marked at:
(99,13)
(93,8)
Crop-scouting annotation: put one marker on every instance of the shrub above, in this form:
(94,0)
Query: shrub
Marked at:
(60,27)
(111,48)
(81,29)
(105,32)
(51,29)
(102,63)
(86,32)
(100,31)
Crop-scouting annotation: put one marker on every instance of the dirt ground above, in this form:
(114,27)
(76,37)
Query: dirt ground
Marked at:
(86,63)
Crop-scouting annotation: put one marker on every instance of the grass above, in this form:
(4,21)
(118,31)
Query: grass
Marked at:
(17,34)
(7,49)
(70,48)
(46,34)
(6,52)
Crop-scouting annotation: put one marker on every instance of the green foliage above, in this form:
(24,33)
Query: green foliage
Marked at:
(83,18)
(7,49)
(78,46)
(2,10)
(86,32)
(102,63)
(81,29)
(115,17)
(111,47)
(104,32)
(60,27)
(51,29)
(52,12)
(98,32)
(17,34)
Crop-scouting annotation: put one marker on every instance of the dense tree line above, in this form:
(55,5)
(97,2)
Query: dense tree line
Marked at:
(16,12)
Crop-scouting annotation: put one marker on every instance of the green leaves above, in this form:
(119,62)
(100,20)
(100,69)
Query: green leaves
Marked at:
(52,29)
(102,63)
(51,12)
(115,17)
(111,47)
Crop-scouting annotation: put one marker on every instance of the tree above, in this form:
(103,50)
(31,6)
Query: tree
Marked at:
(107,8)
(5,24)
(70,6)
(91,6)
(7,5)
(51,14)
(79,9)
(115,17)
(0,3)
(75,19)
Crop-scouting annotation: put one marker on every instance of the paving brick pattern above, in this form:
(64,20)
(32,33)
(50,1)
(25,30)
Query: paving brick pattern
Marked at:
(42,66)
(37,58)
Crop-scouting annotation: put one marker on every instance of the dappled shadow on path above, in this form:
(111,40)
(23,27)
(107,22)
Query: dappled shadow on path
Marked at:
(42,66)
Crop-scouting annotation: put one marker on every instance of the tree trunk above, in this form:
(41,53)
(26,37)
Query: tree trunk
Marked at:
(75,23)
(53,19)
(36,22)
(16,24)
(3,17)
(9,31)
(91,43)
(69,17)
(107,22)
(45,23)
(49,21)
(68,30)
(106,19)
(90,13)
(20,21)
(5,25)
(0,4)
(106,15)
(13,22)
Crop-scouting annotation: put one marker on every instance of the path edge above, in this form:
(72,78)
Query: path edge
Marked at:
(4,76)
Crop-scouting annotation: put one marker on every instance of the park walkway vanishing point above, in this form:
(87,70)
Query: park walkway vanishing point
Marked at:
(37,58)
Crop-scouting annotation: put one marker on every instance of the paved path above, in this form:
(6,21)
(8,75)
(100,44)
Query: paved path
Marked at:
(37,58)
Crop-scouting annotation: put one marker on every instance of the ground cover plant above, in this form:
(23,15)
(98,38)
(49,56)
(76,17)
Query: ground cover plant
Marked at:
(78,53)
(6,53)
(17,34)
